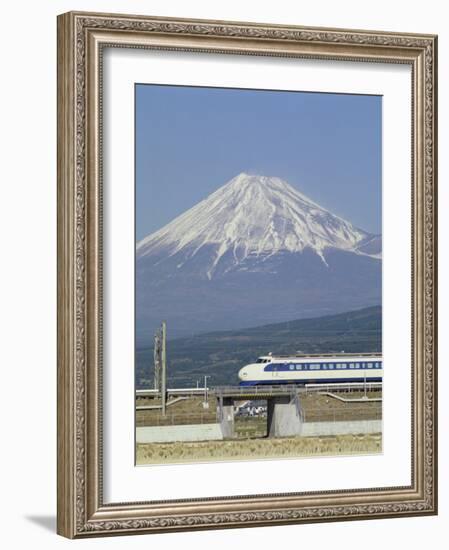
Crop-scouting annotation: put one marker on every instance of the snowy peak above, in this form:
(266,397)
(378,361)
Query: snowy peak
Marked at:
(253,216)
(247,185)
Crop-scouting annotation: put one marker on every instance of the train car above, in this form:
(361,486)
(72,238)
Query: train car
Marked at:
(313,369)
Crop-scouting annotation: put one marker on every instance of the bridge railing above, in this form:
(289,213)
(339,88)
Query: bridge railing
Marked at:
(233,391)
(265,389)
(347,387)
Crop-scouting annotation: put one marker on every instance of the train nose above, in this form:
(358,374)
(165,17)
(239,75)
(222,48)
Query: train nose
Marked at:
(243,373)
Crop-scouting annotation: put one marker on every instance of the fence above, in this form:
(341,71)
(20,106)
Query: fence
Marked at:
(346,414)
(177,419)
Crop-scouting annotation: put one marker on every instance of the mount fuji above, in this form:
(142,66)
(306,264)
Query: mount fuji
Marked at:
(255,251)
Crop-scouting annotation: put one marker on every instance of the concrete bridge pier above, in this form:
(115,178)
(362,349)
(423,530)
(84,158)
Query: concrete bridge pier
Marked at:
(284,416)
(226,416)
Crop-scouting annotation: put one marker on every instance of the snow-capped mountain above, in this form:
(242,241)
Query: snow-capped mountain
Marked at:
(255,251)
(253,216)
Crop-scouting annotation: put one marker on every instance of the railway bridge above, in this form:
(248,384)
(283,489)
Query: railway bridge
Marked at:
(285,417)
(284,412)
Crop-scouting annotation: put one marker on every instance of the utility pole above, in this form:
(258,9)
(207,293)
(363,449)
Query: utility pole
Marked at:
(364,384)
(157,360)
(206,402)
(164,368)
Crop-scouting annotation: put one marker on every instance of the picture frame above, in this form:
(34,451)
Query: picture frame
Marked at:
(82,509)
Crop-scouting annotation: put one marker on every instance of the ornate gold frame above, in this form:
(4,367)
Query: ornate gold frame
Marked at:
(81,37)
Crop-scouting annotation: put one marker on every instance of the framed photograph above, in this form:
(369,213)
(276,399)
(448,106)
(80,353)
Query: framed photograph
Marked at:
(246,274)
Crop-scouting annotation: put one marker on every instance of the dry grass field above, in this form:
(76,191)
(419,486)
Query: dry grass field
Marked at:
(321,408)
(316,407)
(186,411)
(249,441)
(169,453)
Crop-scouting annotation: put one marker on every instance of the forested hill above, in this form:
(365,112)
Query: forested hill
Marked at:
(221,354)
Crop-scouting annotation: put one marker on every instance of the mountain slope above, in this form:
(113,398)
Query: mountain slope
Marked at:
(255,251)
(252,217)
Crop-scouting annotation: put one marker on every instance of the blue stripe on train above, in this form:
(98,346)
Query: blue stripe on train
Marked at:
(310,381)
(292,366)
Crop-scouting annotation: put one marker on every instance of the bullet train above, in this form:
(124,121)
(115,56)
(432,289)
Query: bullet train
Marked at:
(313,369)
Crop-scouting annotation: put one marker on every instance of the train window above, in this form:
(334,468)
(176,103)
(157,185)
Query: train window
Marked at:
(357,365)
(344,365)
(292,367)
(370,365)
(351,365)
(331,365)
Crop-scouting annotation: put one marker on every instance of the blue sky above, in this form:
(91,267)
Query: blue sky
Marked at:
(190,141)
